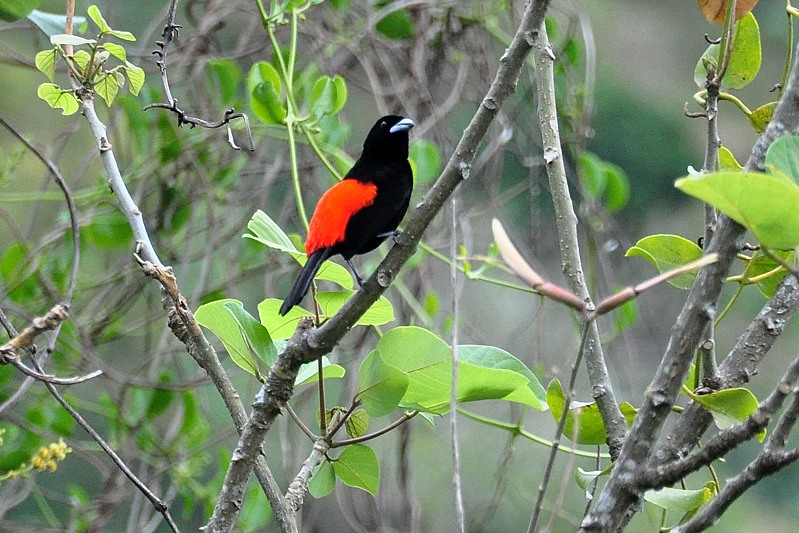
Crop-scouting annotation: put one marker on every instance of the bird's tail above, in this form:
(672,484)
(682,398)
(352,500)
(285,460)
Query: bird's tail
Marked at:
(304,279)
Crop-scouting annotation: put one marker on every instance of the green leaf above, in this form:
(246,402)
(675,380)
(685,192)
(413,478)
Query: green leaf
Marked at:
(617,188)
(783,154)
(583,421)
(358,467)
(108,88)
(397,25)
(97,18)
(82,58)
(266,231)
(764,204)
(255,334)
(761,264)
(679,500)
(266,104)
(381,386)
(425,159)
(216,317)
(667,252)
(309,372)
(116,50)
(108,231)
(323,481)
(744,61)
(381,312)
(227,75)
(533,395)
(585,478)
(136,77)
(45,62)
(357,424)
(727,160)
(124,35)
(69,39)
(57,98)
(328,95)
(427,361)
(728,406)
(11,10)
(282,327)
(262,72)
(50,23)
(591,173)
(760,117)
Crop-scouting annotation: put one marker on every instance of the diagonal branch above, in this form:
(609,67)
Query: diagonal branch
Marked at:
(309,344)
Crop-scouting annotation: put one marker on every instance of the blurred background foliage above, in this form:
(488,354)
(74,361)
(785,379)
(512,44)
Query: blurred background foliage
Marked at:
(625,71)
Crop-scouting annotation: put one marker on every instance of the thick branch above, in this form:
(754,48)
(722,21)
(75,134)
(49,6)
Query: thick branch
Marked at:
(309,344)
(621,492)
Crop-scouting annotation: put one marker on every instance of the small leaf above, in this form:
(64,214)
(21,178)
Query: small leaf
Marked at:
(97,18)
(227,75)
(108,231)
(74,40)
(381,312)
(764,204)
(81,59)
(584,423)
(727,160)
(745,59)
(728,406)
(679,500)
(328,95)
(116,50)
(493,357)
(323,481)
(45,62)
(266,231)
(58,99)
(107,87)
(357,424)
(124,35)
(358,467)
(667,252)
(397,25)
(266,104)
(136,77)
(263,72)
(761,264)
(760,117)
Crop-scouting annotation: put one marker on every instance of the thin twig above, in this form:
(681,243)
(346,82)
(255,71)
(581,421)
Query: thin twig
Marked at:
(460,513)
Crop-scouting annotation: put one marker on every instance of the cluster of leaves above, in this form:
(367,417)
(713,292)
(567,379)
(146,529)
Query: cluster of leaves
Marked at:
(88,68)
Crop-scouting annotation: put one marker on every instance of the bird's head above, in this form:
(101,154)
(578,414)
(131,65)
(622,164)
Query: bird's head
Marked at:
(388,137)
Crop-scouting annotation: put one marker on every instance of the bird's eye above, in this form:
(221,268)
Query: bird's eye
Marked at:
(383,124)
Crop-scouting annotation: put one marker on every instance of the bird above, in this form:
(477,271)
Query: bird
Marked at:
(362,210)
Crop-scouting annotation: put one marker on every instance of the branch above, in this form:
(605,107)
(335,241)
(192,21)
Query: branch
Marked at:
(621,491)
(566,222)
(309,344)
(170,32)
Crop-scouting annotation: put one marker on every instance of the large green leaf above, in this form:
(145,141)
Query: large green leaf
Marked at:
(427,361)
(667,252)
(358,467)
(323,480)
(381,386)
(50,23)
(763,203)
(744,62)
(533,395)
(11,10)
(57,98)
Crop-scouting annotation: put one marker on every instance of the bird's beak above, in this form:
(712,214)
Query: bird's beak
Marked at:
(403,125)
